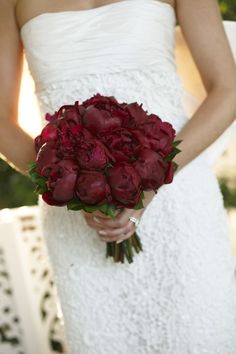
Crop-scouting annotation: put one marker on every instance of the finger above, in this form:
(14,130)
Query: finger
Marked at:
(115,234)
(96,213)
(117,231)
(96,216)
(120,238)
(93,224)
(90,217)
(124,237)
(119,221)
(99,214)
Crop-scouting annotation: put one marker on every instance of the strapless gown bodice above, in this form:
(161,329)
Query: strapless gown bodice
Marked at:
(179,294)
(129,43)
(111,38)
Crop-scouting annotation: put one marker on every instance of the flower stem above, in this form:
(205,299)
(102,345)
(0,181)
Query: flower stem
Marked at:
(124,250)
(117,252)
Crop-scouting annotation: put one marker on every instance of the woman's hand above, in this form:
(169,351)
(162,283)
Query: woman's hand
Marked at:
(108,229)
(120,228)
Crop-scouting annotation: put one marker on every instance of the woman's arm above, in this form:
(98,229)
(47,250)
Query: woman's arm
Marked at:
(16,147)
(202,27)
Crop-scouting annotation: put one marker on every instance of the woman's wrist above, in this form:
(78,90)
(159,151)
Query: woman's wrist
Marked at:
(16,146)
(148,196)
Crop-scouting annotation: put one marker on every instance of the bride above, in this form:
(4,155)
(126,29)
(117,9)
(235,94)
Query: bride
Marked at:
(179,294)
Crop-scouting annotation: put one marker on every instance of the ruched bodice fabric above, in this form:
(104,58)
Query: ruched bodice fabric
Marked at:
(143,35)
(179,294)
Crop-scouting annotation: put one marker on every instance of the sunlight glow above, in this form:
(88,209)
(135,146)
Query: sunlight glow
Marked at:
(29,113)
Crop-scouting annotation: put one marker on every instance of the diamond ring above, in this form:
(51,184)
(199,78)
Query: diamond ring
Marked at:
(134,220)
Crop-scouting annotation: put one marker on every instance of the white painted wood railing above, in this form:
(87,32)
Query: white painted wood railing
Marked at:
(30,320)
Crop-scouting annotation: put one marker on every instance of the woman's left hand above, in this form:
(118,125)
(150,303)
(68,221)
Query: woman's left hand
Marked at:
(120,228)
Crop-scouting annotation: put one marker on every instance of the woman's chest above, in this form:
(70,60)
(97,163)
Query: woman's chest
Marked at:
(28,9)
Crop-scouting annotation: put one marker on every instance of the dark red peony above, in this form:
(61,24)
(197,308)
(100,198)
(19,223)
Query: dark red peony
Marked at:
(152,169)
(48,198)
(71,113)
(62,179)
(169,172)
(49,133)
(122,144)
(136,115)
(125,185)
(68,139)
(103,114)
(92,188)
(155,135)
(46,158)
(167,135)
(92,154)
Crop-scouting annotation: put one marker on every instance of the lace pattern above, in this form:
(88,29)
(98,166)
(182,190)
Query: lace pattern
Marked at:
(159,89)
(179,295)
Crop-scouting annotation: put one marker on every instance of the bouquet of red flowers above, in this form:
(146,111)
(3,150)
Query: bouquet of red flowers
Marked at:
(102,155)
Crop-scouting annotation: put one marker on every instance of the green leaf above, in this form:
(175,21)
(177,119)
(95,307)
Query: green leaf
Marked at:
(41,189)
(39,181)
(108,209)
(75,208)
(175,166)
(177,142)
(31,166)
(140,203)
(171,156)
(74,204)
(90,208)
(103,208)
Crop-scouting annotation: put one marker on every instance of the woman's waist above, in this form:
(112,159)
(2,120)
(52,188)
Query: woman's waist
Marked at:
(157,70)
(158,88)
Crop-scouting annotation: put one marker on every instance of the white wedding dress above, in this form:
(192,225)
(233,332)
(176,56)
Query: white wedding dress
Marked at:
(179,294)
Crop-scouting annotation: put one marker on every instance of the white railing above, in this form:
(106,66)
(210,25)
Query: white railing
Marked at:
(30,320)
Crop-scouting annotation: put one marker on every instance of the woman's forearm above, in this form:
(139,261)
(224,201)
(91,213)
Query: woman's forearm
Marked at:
(213,117)
(16,146)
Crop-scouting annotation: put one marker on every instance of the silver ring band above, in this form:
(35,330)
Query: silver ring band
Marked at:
(134,220)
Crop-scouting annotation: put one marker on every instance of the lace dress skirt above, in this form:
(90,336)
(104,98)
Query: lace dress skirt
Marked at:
(179,294)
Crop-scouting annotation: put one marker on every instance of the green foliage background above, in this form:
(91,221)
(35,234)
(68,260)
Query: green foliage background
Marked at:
(17,190)
(228,9)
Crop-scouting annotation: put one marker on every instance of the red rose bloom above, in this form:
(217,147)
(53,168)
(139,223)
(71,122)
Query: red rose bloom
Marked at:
(125,185)
(92,188)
